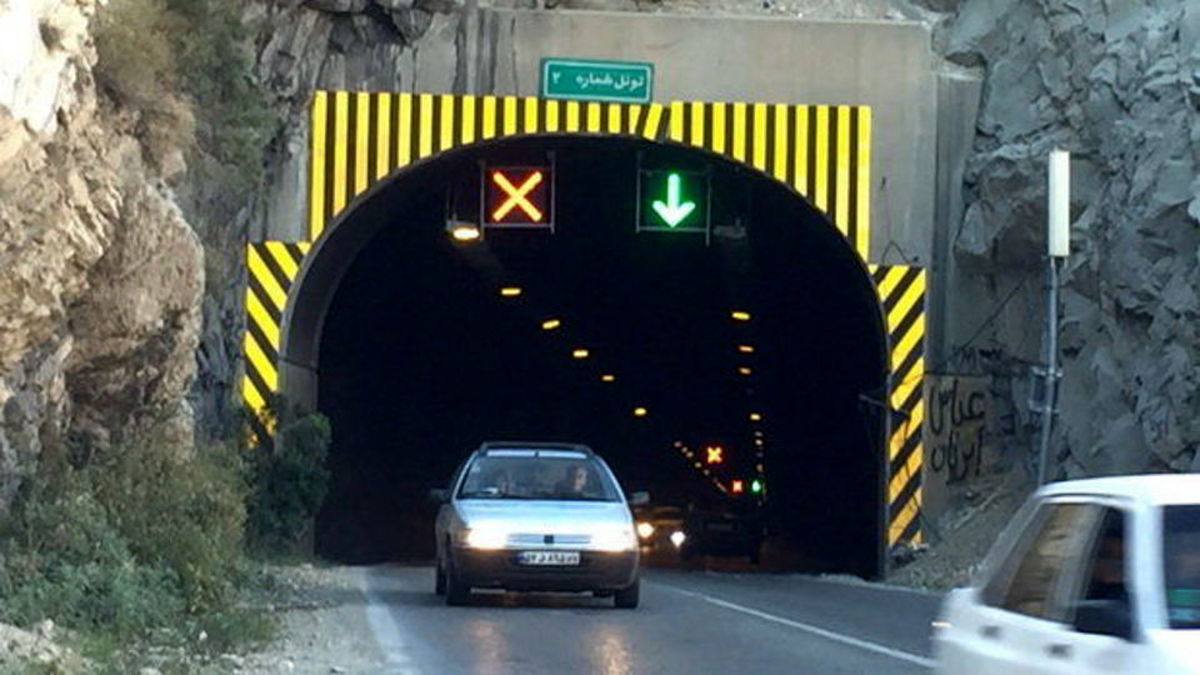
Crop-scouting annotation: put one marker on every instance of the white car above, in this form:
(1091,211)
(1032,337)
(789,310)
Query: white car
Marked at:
(528,516)
(1091,576)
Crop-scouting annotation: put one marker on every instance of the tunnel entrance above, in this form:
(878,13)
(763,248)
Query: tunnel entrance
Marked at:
(422,356)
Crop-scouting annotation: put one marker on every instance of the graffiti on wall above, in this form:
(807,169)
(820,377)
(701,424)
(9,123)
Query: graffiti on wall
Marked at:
(956,432)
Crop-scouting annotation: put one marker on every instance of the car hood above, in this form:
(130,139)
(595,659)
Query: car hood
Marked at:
(543,516)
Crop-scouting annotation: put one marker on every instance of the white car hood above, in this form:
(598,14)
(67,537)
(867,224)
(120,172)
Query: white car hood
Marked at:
(1180,650)
(544,517)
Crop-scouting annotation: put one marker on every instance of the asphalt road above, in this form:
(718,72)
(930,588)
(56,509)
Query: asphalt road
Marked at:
(688,622)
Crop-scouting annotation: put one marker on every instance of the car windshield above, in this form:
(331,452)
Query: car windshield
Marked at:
(538,474)
(1181,565)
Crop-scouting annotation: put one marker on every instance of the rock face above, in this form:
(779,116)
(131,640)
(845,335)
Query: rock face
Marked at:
(1118,84)
(100,277)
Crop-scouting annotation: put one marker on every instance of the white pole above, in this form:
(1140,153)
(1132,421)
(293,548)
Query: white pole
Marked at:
(1058,237)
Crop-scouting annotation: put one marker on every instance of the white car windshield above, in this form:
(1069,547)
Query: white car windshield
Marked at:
(538,474)
(1181,565)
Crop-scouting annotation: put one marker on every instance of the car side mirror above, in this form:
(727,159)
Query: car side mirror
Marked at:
(1104,617)
(439,495)
(639,498)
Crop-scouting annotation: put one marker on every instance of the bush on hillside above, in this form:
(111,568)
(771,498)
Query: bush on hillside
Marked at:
(289,480)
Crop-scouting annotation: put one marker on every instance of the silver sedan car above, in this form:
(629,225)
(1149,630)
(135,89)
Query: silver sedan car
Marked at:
(536,517)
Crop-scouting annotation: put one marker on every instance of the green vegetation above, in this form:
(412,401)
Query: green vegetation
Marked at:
(186,66)
(290,482)
(140,545)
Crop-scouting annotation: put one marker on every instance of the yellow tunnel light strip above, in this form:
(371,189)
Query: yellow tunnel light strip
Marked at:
(572,115)
(262,318)
(383,137)
(510,115)
(316,190)
(341,137)
(676,121)
(653,120)
(863,165)
(614,118)
(802,151)
(362,139)
(760,136)
(425,132)
(490,128)
(263,274)
(782,146)
(842,196)
(446,121)
(821,197)
(718,128)
(259,361)
(531,115)
(468,120)
(594,123)
(404,133)
(739,131)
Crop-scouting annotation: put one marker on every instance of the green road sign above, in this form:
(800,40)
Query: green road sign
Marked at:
(617,81)
(673,201)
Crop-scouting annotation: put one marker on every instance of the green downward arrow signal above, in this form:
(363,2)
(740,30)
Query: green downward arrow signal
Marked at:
(673,212)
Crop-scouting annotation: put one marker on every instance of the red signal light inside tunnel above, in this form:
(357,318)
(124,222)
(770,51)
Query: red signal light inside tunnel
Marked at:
(715,454)
(518,196)
(737,487)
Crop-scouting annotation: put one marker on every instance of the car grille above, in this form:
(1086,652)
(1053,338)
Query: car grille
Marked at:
(549,540)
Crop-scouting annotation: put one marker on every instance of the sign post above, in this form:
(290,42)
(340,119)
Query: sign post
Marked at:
(588,80)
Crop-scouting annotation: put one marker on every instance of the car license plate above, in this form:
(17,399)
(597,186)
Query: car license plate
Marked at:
(548,558)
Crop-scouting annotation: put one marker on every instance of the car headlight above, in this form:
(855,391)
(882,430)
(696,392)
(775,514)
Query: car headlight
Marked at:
(645,530)
(614,540)
(485,536)
(678,538)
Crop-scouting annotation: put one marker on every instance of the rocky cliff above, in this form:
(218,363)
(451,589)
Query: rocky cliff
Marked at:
(1118,84)
(100,275)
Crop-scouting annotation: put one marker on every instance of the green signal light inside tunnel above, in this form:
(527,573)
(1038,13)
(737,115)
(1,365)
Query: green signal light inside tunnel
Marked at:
(756,486)
(673,201)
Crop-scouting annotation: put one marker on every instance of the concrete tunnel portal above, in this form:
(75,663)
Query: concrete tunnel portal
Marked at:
(407,343)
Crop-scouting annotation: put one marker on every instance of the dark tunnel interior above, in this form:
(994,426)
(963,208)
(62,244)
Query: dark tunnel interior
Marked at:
(422,357)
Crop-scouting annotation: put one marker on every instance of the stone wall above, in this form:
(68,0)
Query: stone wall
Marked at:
(100,276)
(1118,84)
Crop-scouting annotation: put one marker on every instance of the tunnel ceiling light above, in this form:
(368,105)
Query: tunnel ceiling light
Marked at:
(739,315)
(678,444)
(746,349)
(640,411)
(510,291)
(551,324)
(464,231)
(758,434)
(759,468)
(755,417)
(580,353)
(608,377)
(758,442)
(744,370)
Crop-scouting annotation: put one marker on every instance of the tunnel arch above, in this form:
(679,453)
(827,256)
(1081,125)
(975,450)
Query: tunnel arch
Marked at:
(317,267)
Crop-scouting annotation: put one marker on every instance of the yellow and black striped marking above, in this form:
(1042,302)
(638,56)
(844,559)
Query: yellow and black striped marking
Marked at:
(271,267)
(821,152)
(902,295)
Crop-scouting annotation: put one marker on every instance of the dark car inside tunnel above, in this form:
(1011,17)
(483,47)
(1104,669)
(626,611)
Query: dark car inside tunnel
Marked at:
(639,344)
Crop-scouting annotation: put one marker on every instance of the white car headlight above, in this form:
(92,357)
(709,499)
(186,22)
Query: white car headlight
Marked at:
(645,530)
(487,536)
(614,540)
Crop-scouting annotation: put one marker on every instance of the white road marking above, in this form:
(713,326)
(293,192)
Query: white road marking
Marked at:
(827,634)
(387,631)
